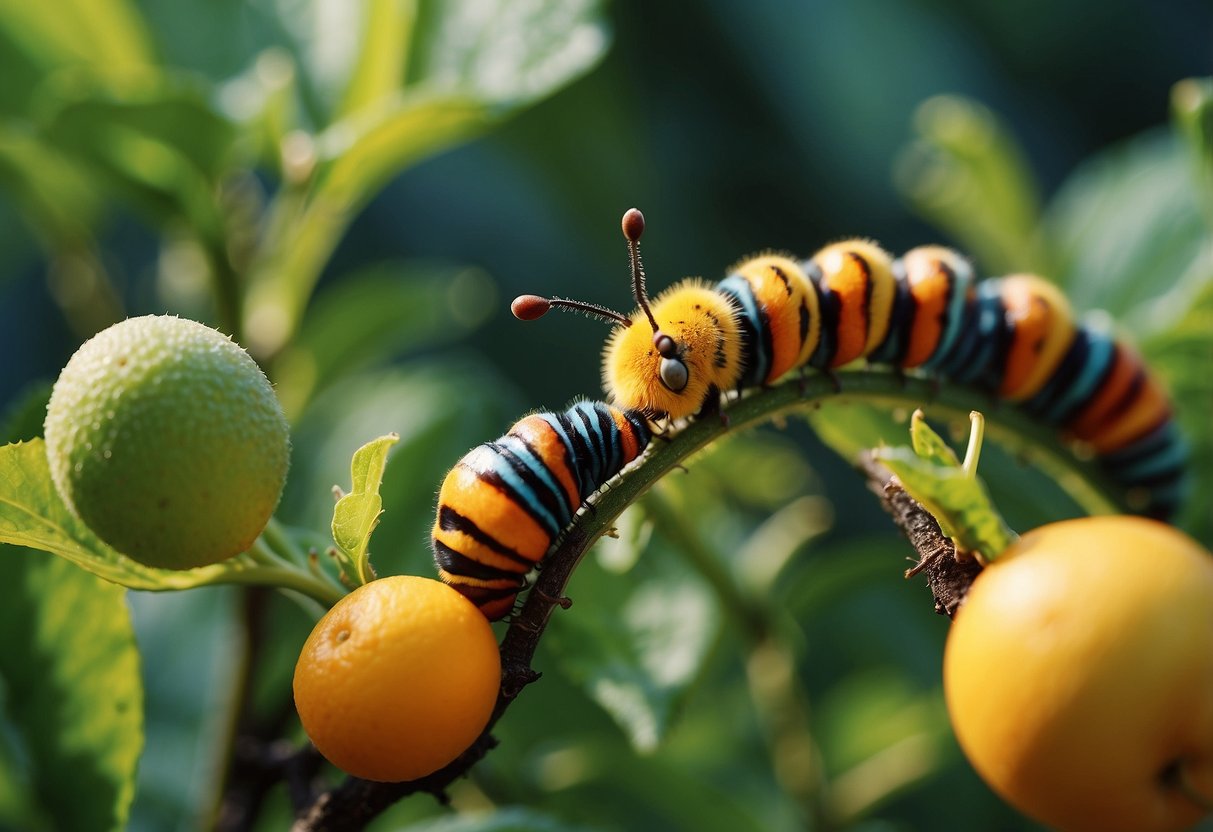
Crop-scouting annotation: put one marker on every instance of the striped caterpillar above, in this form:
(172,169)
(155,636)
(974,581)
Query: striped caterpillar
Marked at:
(505,502)
(1014,337)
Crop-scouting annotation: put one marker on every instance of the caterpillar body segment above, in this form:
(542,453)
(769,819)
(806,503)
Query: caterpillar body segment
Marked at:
(504,502)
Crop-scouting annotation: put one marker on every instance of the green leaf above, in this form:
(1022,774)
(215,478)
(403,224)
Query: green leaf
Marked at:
(440,409)
(354,159)
(154,138)
(958,501)
(498,820)
(850,427)
(1182,355)
(472,63)
(357,513)
(386,38)
(929,445)
(109,35)
(56,193)
(637,646)
(1129,236)
(71,671)
(26,413)
(1192,112)
(33,514)
(398,307)
(504,52)
(882,735)
(967,175)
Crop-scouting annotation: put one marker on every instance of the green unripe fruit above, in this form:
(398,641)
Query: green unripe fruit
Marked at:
(166,439)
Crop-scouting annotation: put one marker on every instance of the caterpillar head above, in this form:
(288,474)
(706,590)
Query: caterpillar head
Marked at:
(670,355)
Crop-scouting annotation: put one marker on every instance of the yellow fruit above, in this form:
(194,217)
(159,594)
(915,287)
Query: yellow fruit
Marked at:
(398,679)
(1079,676)
(166,439)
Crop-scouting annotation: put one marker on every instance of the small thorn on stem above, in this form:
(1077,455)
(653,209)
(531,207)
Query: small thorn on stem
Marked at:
(563,602)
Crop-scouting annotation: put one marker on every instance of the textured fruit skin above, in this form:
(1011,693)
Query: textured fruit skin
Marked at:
(1081,666)
(167,440)
(397,679)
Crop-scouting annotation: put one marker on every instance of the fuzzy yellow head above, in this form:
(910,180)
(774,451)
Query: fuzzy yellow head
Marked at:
(696,352)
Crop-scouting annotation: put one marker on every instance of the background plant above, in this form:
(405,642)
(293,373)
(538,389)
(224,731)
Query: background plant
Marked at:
(354,204)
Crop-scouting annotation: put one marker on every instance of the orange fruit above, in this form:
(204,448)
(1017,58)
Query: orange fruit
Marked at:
(397,679)
(1079,676)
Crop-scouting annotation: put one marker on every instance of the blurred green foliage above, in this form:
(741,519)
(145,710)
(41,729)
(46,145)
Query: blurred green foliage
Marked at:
(354,189)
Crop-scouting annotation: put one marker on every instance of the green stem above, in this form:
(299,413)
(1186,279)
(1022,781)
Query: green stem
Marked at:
(276,538)
(277,572)
(1019,433)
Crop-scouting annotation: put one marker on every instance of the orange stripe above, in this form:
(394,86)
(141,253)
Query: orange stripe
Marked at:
(544,440)
(1135,403)
(781,299)
(496,514)
(1044,329)
(1088,421)
(859,273)
(930,285)
(627,435)
(848,279)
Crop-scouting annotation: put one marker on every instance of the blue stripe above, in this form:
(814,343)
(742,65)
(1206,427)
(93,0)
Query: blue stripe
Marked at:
(491,461)
(541,471)
(593,419)
(592,461)
(1100,351)
(756,362)
(988,321)
(1160,451)
(554,420)
(963,278)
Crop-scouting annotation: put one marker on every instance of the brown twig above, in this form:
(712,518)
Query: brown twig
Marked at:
(948,574)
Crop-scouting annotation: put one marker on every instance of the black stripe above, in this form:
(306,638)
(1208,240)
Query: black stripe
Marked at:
(550,500)
(494,479)
(456,563)
(581,454)
(612,451)
(481,595)
(562,495)
(1063,379)
(829,303)
(1118,355)
(450,520)
(787,284)
(640,429)
(751,370)
(1126,400)
(896,343)
(866,267)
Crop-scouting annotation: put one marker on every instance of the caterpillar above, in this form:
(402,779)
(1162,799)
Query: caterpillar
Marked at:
(505,501)
(1015,337)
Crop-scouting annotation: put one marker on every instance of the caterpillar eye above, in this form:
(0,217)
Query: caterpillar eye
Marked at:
(674,374)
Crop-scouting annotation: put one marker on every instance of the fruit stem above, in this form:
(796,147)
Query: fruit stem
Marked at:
(977,431)
(273,570)
(275,536)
